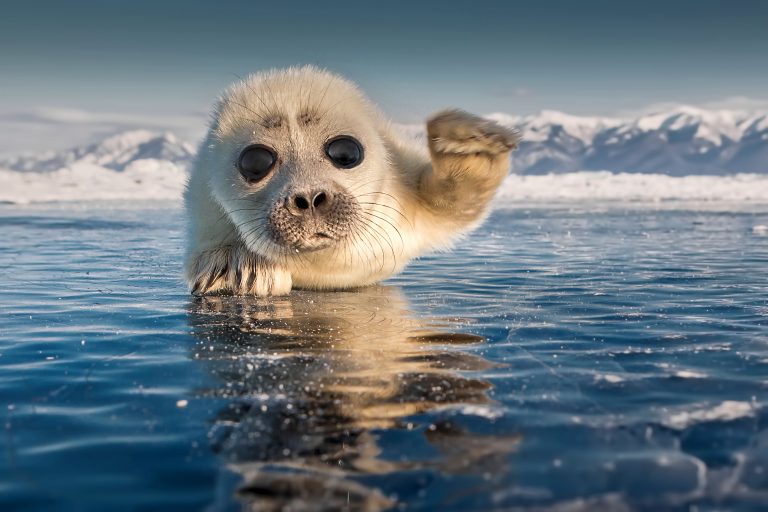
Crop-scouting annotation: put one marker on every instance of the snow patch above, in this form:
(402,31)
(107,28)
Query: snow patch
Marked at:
(609,378)
(161,179)
(607,186)
(483,411)
(141,179)
(689,374)
(728,410)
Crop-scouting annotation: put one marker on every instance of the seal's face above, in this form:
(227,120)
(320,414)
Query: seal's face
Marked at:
(299,165)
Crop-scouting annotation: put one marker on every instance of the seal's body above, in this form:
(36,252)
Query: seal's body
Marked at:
(302,183)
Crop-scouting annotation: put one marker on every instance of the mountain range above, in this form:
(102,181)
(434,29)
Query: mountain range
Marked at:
(116,152)
(679,141)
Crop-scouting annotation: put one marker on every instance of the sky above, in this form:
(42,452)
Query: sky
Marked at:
(75,71)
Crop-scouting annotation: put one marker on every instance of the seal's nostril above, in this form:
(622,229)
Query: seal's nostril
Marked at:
(301,202)
(319,199)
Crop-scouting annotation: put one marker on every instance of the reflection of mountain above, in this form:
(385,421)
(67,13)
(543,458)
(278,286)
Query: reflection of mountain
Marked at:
(313,379)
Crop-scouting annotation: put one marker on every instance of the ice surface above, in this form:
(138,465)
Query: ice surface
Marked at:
(558,358)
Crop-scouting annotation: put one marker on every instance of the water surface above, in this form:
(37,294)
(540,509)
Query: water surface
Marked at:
(567,357)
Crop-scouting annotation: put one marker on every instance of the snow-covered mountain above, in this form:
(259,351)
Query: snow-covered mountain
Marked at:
(115,153)
(683,141)
(128,166)
(680,141)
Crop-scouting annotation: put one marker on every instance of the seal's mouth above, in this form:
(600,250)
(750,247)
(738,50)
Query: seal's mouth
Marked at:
(314,242)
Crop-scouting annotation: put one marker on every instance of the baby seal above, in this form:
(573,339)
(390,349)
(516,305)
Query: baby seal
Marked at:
(302,183)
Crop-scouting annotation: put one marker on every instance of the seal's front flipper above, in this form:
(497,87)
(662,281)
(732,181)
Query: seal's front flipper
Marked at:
(235,271)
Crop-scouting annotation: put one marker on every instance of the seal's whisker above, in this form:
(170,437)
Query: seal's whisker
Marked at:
(259,96)
(406,219)
(402,241)
(381,193)
(371,182)
(378,239)
(262,120)
(384,237)
(245,223)
(370,257)
(316,111)
(336,104)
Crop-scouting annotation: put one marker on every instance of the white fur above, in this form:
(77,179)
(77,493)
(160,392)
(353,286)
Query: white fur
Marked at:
(410,201)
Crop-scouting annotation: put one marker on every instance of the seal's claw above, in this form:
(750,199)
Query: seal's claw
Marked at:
(235,271)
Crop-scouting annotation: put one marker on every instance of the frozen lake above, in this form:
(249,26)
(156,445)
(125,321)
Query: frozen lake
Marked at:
(567,358)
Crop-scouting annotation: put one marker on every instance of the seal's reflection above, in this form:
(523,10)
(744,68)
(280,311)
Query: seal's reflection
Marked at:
(313,376)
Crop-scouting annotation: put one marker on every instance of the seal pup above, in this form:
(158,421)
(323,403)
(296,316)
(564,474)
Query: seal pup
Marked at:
(302,183)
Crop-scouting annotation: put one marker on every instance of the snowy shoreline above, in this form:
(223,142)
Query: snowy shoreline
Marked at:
(151,179)
(625,187)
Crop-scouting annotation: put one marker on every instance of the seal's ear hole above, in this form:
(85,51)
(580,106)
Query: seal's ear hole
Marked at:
(344,151)
(255,162)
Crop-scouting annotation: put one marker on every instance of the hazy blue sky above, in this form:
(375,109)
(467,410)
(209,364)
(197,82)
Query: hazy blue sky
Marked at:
(113,63)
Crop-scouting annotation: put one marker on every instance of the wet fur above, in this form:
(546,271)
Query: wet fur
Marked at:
(400,202)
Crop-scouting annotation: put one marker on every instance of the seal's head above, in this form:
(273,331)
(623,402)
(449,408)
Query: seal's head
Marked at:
(302,183)
(299,163)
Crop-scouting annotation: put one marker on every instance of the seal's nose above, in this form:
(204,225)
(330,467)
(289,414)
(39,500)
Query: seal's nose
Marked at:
(315,202)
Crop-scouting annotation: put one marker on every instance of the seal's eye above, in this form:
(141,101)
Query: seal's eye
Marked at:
(255,162)
(344,151)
